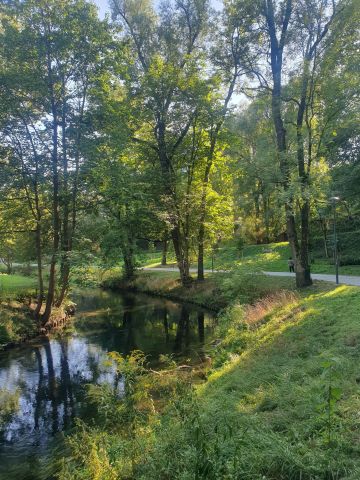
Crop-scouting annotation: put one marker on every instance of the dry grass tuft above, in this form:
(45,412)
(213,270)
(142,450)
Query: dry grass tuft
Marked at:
(256,314)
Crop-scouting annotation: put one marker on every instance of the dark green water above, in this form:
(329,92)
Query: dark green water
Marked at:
(51,374)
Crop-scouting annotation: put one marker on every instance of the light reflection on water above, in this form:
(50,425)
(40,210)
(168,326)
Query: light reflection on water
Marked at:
(51,374)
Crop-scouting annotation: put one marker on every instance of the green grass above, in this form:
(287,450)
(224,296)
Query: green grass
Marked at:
(282,400)
(276,390)
(15,322)
(14,283)
(271,257)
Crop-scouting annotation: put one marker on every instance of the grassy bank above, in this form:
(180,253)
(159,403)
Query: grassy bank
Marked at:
(280,401)
(16,324)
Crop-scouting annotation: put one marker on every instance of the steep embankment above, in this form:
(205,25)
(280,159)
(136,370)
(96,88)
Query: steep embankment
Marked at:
(285,402)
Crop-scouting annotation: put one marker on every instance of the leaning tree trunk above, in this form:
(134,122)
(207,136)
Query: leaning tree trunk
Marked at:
(70,205)
(65,237)
(179,242)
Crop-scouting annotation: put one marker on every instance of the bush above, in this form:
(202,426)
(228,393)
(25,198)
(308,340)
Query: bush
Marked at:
(349,260)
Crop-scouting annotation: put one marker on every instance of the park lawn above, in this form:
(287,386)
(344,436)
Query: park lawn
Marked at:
(15,283)
(272,257)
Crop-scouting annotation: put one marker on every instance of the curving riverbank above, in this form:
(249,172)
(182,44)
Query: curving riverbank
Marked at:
(166,284)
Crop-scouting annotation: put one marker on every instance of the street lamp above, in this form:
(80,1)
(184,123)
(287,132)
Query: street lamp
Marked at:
(336,256)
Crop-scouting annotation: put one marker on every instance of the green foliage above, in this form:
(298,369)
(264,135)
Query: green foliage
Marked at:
(16,324)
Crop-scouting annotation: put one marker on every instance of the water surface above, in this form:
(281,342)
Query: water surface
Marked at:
(51,375)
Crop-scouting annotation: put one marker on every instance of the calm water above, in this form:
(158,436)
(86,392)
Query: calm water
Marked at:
(51,374)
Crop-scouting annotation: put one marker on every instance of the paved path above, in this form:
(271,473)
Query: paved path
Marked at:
(343,279)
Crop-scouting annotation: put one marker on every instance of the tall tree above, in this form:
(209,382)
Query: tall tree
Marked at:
(46,87)
(292,33)
(165,81)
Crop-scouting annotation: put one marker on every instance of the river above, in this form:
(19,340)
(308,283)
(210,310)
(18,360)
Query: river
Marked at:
(51,374)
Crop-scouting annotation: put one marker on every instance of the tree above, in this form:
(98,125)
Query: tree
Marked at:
(288,27)
(46,89)
(166,85)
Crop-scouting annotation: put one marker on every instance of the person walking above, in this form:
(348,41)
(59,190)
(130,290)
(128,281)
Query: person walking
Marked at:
(291,264)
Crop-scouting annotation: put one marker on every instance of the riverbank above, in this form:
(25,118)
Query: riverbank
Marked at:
(280,402)
(215,293)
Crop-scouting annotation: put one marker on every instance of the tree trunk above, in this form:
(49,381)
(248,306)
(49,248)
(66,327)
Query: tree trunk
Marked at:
(266,217)
(65,237)
(8,266)
(55,203)
(182,257)
(200,265)
(201,234)
(324,231)
(257,215)
(129,261)
(164,253)
(70,198)
(276,57)
(39,270)
(303,277)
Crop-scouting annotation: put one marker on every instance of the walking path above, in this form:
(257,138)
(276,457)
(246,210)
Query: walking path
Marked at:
(343,279)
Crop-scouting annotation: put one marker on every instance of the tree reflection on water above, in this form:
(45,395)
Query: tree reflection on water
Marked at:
(52,374)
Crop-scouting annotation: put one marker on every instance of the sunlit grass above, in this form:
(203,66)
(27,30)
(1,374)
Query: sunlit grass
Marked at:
(278,383)
(11,283)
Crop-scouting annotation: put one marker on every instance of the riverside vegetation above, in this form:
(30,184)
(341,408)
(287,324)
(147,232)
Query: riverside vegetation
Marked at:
(277,398)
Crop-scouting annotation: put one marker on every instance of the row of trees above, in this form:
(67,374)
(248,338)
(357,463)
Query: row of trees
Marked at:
(130,125)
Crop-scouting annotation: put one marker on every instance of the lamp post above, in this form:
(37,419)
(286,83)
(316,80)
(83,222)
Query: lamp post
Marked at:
(336,256)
